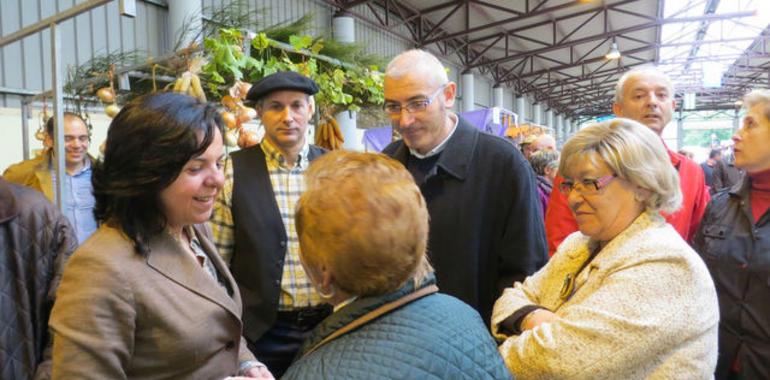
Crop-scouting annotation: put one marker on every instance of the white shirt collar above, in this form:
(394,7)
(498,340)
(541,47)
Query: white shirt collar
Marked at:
(440,147)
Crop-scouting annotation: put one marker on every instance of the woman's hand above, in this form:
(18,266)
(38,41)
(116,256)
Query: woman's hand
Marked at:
(258,372)
(536,318)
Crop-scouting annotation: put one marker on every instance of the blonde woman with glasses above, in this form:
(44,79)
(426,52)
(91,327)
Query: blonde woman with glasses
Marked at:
(625,297)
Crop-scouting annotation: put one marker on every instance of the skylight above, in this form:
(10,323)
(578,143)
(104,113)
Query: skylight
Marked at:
(693,66)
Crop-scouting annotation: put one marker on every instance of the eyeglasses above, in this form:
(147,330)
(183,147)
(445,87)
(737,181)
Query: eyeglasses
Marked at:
(587,185)
(80,139)
(414,106)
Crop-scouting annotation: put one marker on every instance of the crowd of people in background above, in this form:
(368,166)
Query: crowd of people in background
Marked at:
(451,254)
(720,171)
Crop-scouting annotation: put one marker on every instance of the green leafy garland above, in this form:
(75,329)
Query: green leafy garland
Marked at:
(342,86)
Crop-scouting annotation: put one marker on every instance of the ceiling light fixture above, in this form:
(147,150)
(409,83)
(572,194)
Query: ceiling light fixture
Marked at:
(613,53)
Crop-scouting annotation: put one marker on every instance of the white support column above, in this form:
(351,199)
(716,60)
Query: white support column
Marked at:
(497,96)
(559,128)
(550,119)
(680,129)
(467,89)
(521,108)
(566,128)
(537,110)
(185,22)
(344,30)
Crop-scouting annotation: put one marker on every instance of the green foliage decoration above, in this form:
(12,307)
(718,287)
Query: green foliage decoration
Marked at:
(349,79)
(342,86)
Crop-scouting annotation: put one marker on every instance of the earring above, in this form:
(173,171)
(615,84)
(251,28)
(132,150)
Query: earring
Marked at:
(326,295)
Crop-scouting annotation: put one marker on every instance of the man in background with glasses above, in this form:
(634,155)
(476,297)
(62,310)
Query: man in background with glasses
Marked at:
(486,230)
(38,174)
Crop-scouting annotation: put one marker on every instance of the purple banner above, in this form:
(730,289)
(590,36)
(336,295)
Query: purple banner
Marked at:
(376,139)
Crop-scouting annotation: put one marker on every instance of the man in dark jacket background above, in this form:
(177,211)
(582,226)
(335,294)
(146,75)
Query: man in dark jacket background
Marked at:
(486,230)
(715,155)
(725,175)
(35,241)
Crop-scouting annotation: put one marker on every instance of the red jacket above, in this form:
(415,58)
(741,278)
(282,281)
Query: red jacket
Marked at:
(560,222)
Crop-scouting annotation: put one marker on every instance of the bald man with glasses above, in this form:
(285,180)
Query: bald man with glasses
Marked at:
(38,173)
(486,230)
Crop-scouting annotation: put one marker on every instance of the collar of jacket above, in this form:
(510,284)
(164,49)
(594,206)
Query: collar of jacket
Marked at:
(46,160)
(675,158)
(357,308)
(168,258)
(742,188)
(8,206)
(641,223)
(544,183)
(457,153)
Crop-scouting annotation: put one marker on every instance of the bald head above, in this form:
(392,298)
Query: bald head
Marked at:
(419,97)
(645,72)
(417,63)
(544,142)
(645,95)
(537,143)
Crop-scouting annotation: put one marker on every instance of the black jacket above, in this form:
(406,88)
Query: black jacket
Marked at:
(260,239)
(35,241)
(737,253)
(725,175)
(486,230)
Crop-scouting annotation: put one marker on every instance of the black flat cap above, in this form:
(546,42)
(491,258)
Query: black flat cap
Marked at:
(282,80)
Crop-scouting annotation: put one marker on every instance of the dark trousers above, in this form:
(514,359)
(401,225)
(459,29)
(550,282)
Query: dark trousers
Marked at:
(278,346)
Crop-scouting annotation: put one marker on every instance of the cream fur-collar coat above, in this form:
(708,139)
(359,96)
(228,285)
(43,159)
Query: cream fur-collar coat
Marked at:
(645,307)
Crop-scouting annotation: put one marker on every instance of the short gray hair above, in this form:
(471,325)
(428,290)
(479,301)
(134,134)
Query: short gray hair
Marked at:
(758,97)
(418,61)
(634,153)
(544,159)
(641,71)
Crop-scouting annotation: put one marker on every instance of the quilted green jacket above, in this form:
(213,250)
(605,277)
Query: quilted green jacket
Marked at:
(434,337)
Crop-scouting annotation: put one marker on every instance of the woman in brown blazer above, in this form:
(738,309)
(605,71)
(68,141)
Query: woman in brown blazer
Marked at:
(147,297)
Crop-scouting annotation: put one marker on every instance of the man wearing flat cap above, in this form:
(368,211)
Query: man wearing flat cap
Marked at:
(253,222)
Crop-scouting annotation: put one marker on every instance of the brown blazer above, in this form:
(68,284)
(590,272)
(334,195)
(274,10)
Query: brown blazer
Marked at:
(119,315)
(34,173)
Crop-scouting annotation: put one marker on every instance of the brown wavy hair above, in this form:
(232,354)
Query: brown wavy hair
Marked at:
(363,216)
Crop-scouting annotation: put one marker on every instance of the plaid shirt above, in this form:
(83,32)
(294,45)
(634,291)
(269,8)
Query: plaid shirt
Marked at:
(288,184)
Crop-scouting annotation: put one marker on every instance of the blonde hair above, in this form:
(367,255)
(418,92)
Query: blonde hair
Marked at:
(757,97)
(634,153)
(363,216)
